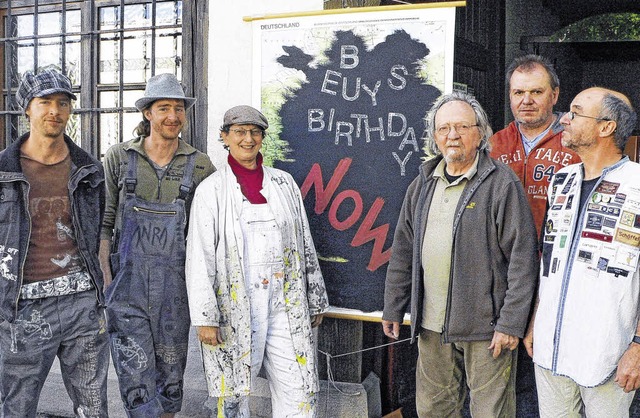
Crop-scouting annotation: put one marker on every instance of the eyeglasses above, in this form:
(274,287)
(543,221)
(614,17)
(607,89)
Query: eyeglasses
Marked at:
(461,128)
(255,133)
(572,116)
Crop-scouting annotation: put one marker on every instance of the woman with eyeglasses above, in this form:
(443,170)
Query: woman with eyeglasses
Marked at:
(254,284)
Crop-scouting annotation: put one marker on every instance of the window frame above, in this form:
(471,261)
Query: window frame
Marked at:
(193,64)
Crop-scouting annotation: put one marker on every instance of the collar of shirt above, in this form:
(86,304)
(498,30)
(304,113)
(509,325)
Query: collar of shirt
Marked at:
(439,171)
(529,144)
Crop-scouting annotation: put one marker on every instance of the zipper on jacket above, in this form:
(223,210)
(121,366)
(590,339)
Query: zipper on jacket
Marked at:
(447,311)
(155,212)
(465,197)
(24,260)
(575,242)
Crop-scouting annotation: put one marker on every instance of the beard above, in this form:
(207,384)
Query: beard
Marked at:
(53,131)
(576,143)
(458,156)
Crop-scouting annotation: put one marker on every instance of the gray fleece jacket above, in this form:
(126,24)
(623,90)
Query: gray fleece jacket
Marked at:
(494,266)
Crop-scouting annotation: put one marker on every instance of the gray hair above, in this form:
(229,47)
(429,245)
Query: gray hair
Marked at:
(481,120)
(529,62)
(619,111)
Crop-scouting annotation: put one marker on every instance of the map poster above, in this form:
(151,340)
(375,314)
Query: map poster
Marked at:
(346,96)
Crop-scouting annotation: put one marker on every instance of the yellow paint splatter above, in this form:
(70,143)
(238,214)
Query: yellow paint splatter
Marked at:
(304,407)
(221,398)
(301,359)
(333,259)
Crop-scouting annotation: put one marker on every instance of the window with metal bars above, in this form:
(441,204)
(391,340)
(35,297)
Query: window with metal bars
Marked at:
(109,49)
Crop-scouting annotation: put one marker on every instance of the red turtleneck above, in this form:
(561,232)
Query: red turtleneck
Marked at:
(250,181)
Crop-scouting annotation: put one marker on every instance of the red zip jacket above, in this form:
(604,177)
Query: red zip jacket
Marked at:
(536,169)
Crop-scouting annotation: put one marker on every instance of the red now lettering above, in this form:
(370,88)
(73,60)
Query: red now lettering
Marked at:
(323,196)
(379,235)
(351,219)
(365,232)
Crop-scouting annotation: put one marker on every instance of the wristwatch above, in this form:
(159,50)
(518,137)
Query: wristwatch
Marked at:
(636,339)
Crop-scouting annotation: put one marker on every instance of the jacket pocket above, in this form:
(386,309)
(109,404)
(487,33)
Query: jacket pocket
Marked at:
(547,250)
(114,261)
(494,308)
(9,204)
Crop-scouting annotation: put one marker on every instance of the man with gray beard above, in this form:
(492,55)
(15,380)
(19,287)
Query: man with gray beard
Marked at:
(465,261)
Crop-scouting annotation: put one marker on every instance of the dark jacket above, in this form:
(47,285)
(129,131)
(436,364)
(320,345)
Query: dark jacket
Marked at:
(86,194)
(494,266)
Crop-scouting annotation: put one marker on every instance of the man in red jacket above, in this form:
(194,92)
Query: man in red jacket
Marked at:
(531,144)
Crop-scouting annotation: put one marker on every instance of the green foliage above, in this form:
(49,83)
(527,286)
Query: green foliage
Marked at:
(273,97)
(605,27)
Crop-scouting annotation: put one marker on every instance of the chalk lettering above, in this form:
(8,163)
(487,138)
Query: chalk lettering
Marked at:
(372,93)
(368,129)
(358,117)
(315,116)
(332,113)
(360,125)
(349,52)
(346,134)
(327,81)
(355,95)
(403,162)
(394,74)
(410,134)
(403,121)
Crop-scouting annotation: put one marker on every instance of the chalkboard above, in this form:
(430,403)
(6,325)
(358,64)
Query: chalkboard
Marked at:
(346,97)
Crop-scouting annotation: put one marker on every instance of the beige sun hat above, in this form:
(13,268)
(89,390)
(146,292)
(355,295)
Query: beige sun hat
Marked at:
(163,86)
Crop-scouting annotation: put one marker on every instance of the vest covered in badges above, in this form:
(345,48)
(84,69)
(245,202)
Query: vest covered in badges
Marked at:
(589,289)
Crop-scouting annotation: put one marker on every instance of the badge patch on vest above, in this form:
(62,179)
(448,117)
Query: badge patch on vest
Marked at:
(597,236)
(585,256)
(594,221)
(628,237)
(603,263)
(617,272)
(627,218)
(620,198)
(607,187)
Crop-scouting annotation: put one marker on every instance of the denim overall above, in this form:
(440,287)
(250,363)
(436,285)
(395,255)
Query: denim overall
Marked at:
(147,310)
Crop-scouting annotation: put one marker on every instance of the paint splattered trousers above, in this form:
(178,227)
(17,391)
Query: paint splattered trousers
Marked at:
(271,339)
(71,327)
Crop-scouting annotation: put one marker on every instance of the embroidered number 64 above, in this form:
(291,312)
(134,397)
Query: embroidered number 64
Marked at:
(540,171)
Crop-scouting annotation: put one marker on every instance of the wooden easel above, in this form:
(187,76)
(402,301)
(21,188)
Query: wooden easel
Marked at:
(633,148)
